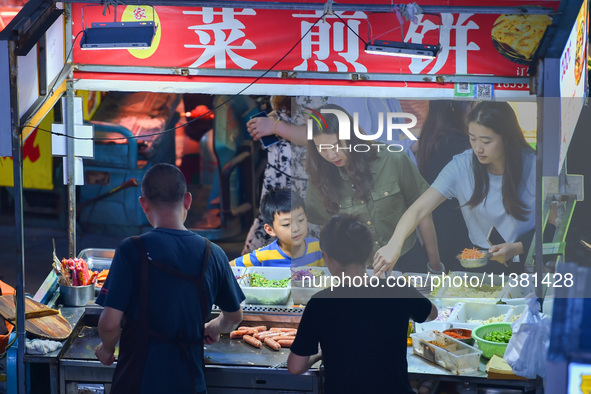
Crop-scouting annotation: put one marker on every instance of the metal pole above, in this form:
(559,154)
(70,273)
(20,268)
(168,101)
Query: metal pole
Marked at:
(70,159)
(18,216)
(70,164)
(539,257)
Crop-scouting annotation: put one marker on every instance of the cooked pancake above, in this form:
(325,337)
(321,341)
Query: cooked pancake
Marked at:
(520,35)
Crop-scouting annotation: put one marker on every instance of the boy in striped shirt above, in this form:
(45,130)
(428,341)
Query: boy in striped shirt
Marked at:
(285,218)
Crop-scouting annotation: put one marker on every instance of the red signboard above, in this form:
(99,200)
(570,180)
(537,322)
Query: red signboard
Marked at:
(248,39)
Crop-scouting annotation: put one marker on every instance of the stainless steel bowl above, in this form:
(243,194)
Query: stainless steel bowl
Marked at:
(76,295)
(475,263)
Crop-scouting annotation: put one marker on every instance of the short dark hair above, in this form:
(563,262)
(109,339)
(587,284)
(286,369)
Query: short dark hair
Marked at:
(346,240)
(279,200)
(164,184)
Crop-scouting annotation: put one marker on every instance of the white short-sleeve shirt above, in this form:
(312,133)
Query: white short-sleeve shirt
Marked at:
(457,180)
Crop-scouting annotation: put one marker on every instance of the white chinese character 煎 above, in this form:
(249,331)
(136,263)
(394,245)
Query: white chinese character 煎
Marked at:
(344,40)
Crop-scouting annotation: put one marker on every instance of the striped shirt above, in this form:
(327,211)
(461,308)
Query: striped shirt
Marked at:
(272,256)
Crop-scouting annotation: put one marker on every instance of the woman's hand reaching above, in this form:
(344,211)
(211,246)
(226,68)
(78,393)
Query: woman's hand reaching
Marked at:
(505,252)
(385,259)
(260,126)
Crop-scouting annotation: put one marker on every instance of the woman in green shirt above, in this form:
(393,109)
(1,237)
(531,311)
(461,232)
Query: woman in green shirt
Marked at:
(374,182)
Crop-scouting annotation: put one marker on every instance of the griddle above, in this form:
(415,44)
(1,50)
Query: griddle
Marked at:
(238,353)
(228,352)
(85,338)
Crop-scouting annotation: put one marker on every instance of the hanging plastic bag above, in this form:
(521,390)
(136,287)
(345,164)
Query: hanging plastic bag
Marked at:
(526,351)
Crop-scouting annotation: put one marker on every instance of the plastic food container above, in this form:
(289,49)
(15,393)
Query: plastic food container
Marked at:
(239,274)
(453,355)
(97,259)
(421,282)
(514,292)
(267,295)
(472,314)
(454,286)
(490,348)
(303,290)
(467,334)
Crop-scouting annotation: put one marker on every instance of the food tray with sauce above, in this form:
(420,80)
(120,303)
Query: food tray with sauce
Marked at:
(266,295)
(447,352)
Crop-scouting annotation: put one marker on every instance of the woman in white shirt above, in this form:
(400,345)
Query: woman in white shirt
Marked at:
(494,182)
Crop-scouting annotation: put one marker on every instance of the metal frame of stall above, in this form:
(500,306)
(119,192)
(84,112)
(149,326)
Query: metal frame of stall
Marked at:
(17,125)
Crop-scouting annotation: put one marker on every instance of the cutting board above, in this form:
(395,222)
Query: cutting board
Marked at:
(41,321)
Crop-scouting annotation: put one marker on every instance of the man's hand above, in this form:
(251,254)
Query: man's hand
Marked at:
(212,332)
(223,323)
(105,356)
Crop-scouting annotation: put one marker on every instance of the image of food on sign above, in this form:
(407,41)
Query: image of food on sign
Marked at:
(580,48)
(517,37)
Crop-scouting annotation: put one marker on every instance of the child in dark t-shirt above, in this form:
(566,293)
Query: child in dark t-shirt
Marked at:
(338,319)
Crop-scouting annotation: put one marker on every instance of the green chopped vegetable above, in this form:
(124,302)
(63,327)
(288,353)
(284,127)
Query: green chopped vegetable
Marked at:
(498,336)
(258,280)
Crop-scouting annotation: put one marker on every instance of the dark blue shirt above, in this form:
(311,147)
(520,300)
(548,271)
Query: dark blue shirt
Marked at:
(174,306)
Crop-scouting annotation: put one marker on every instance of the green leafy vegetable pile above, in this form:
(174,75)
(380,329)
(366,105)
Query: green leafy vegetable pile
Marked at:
(258,280)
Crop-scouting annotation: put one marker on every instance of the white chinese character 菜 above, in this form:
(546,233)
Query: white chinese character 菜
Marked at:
(218,38)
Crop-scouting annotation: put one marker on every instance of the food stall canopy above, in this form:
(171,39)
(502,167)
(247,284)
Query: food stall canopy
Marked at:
(223,50)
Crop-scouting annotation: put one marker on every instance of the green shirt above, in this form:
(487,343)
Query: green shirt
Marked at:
(397,184)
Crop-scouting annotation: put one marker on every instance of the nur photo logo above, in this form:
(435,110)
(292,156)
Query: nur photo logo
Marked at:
(393,121)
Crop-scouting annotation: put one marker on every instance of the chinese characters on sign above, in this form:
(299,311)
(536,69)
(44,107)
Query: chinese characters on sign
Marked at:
(460,28)
(331,42)
(219,38)
(249,39)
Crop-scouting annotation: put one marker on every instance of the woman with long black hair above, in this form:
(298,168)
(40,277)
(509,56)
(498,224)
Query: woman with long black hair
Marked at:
(445,134)
(494,183)
(372,181)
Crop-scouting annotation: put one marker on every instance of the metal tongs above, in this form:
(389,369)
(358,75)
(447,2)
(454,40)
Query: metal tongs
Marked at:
(58,267)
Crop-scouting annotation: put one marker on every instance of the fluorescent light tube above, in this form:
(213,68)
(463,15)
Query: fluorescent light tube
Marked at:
(403,49)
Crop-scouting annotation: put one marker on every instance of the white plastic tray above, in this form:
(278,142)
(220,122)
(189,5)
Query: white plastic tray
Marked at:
(267,295)
(472,314)
(461,292)
(301,291)
(239,273)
